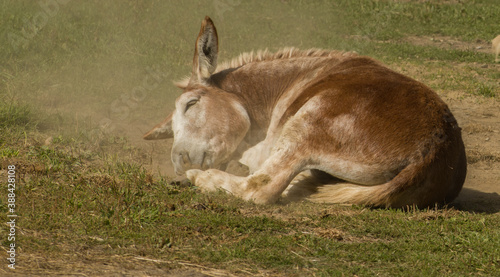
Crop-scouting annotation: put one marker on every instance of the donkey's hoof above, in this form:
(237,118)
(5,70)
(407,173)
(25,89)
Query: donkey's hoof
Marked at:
(192,174)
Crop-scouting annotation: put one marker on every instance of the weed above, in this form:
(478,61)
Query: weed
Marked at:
(7,152)
(14,114)
(486,90)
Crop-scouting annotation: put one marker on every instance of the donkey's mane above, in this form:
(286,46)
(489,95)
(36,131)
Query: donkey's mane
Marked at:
(284,53)
(266,55)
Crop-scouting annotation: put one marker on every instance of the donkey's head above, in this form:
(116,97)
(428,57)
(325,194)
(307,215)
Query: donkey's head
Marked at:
(207,124)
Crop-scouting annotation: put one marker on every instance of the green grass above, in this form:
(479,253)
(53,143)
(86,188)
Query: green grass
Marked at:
(468,20)
(486,90)
(117,208)
(86,195)
(14,115)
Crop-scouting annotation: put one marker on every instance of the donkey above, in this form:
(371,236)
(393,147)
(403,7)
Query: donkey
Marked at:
(366,134)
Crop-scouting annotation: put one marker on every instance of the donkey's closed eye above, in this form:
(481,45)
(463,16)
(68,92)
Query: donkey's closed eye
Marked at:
(190,104)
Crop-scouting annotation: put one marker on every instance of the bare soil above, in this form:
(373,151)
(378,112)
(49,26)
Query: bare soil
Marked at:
(450,43)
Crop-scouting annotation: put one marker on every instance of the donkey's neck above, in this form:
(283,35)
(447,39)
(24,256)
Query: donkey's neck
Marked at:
(263,86)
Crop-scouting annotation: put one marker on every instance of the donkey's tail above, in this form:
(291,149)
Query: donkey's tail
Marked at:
(377,196)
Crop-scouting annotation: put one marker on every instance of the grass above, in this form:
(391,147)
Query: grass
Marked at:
(486,90)
(117,208)
(392,19)
(15,115)
(87,196)
(73,196)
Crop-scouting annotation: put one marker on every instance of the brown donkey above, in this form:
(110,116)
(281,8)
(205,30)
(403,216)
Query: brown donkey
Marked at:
(366,134)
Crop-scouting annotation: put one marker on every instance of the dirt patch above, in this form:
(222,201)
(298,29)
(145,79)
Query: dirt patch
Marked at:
(445,42)
(94,264)
(479,119)
(341,236)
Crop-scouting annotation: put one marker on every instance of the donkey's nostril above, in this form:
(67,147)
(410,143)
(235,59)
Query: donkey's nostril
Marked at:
(203,164)
(185,158)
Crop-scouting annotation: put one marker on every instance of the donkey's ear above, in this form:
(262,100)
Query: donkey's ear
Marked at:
(161,131)
(206,49)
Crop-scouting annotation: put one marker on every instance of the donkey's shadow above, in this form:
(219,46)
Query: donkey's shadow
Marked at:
(472,200)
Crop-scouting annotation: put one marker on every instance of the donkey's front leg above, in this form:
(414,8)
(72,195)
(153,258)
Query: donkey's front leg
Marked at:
(268,183)
(264,186)
(214,179)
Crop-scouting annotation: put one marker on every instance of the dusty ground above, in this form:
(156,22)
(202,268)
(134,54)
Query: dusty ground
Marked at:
(479,119)
(123,266)
(450,43)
